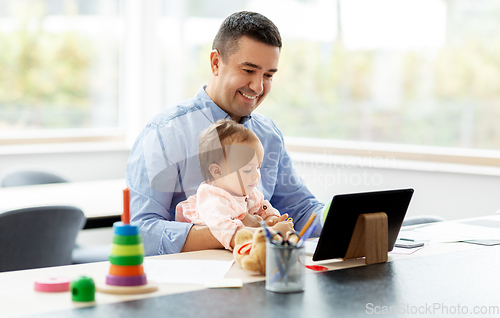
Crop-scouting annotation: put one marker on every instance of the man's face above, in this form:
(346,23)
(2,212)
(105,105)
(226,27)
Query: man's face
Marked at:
(243,81)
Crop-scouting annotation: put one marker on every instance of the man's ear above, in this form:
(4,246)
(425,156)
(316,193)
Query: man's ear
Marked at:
(215,171)
(215,60)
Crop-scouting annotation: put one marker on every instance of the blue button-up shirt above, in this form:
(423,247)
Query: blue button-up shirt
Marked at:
(163,170)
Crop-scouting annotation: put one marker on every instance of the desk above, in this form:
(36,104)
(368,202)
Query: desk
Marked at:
(101,201)
(442,285)
(450,274)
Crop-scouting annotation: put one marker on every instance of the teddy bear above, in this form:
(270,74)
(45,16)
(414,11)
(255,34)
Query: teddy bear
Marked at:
(250,250)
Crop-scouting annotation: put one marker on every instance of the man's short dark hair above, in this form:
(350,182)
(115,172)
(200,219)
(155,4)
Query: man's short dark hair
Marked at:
(251,24)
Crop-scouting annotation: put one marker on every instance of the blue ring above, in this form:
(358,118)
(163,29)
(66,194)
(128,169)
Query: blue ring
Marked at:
(125,229)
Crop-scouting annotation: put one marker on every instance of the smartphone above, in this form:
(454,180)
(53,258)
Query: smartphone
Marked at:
(408,244)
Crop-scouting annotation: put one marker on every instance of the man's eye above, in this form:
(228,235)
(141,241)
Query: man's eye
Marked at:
(269,75)
(249,71)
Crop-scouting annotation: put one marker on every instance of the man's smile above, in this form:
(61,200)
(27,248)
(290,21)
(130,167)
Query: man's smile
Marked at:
(248,96)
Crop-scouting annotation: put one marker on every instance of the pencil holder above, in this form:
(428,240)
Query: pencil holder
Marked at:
(284,268)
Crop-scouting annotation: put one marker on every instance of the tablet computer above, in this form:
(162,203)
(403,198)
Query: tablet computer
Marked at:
(343,214)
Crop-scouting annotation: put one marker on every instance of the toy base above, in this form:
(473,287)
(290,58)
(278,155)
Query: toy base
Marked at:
(142,289)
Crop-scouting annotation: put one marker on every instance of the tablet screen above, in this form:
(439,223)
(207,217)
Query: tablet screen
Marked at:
(343,214)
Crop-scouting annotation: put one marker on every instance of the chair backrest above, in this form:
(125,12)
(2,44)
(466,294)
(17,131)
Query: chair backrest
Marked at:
(38,237)
(29,177)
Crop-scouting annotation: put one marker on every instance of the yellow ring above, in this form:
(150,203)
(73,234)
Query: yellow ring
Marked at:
(127,250)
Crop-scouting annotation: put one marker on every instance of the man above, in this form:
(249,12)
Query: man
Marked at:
(163,167)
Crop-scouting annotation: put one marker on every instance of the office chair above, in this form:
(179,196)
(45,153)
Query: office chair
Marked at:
(29,177)
(421,219)
(81,254)
(38,236)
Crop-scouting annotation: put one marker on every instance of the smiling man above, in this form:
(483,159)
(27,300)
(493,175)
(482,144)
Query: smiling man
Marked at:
(242,80)
(163,167)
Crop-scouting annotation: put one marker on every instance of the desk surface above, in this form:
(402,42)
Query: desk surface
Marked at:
(342,290)
(97,199)
(456,284)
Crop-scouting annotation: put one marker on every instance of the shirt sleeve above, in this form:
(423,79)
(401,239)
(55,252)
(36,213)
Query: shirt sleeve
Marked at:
(149,204)
(285,189)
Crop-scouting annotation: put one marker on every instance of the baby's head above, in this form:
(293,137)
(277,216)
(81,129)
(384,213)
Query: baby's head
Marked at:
(230,155)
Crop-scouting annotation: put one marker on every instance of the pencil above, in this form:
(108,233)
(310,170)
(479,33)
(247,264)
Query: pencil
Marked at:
(308,224)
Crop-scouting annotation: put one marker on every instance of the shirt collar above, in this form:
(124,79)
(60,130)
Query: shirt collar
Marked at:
(217,112)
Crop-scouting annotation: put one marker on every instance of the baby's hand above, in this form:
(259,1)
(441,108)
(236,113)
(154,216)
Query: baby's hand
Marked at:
(283,227)
(271,220)
(251,220)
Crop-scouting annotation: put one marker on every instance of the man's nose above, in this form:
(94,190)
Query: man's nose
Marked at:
(257,85)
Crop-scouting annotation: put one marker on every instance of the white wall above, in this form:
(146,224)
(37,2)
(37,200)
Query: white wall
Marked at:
(446,194)
(452,195)
(74,164)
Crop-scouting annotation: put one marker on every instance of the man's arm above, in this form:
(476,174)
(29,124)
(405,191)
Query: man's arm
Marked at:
(292,196)
(200,238)
(151,201)
(286,190)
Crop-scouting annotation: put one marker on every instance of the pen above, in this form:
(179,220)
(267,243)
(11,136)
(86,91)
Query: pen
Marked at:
(405,239)
(267,233)
(308,223)
(306,235)
(289,261)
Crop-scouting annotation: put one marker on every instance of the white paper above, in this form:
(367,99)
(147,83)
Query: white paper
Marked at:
(404,250)
(185,271)
(428,237)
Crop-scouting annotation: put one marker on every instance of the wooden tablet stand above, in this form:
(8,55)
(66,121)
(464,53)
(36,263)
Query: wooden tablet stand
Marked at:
(370,238)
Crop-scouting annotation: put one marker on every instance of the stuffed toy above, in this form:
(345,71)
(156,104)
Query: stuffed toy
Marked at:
(250,250)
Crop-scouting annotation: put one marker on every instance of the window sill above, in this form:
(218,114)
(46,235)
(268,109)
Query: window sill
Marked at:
(387,156)
(313,151)
(70,147)
(34,137)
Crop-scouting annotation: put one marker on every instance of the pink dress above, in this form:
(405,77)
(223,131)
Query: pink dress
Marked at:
(221,211)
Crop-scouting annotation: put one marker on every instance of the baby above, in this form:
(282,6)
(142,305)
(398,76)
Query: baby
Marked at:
(230,157)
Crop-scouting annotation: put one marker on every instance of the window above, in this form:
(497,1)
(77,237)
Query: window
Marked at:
(409,72)
(384,73)
(59,66)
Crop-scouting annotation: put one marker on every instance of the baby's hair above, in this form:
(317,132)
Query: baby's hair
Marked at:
(215,138)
